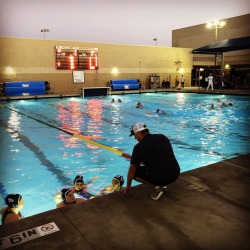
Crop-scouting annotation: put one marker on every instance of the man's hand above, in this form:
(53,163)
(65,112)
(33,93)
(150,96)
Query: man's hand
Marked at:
(127,190)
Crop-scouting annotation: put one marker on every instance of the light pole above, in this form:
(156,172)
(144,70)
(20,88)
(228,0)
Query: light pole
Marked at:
(217,24)
(155,39)
(200,69)
(44,31)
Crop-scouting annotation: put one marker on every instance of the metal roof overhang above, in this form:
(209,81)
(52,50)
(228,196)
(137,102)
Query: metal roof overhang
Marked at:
(224,46)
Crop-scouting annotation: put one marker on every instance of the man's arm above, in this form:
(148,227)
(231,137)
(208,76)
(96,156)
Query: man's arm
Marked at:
(130,177)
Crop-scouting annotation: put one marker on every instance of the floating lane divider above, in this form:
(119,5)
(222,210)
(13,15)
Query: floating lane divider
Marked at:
(81,137)
(100,145)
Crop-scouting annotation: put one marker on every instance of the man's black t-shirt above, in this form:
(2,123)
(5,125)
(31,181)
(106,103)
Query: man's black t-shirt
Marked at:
(155,152)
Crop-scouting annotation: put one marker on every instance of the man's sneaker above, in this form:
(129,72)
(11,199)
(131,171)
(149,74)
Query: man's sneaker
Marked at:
(159,191)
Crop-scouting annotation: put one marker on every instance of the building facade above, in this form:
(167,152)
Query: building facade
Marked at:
(235,62)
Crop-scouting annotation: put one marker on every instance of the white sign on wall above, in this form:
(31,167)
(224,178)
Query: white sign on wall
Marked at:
(78,76)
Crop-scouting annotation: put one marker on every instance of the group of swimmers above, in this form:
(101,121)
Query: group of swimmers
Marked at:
(222,104)
(158,111)
(74,195)
(113,100)
(79,193)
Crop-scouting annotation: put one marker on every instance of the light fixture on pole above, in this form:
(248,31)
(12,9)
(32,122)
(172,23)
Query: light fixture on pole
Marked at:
(216,24)
(155,39)
(44,31)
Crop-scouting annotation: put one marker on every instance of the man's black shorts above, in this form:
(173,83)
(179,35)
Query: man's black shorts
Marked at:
(162,180)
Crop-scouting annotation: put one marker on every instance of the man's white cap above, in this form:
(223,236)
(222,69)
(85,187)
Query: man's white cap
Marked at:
(137,128)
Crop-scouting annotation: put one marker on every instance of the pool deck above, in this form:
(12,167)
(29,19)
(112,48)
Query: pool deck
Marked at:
(206,208)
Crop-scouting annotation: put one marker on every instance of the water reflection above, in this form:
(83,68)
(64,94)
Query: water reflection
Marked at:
(70,119)
(95,112)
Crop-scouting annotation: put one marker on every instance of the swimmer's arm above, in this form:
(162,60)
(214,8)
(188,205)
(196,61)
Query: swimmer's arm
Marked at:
(57,197)
(130,177)
(131,174)
(79,200)
(61,204)
(108,188)
(93,179)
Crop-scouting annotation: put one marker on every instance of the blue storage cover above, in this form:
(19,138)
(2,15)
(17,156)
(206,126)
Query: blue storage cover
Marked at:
(24,83)
(24,88)
(125,84)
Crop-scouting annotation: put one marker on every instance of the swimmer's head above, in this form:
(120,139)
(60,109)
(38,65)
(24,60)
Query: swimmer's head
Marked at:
(79,178)
(117,181)
(65,192)
(12,200)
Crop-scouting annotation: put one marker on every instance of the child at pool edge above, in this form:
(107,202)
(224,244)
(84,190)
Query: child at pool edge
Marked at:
(68,198)
(117,183)
(79,188)
(11,213)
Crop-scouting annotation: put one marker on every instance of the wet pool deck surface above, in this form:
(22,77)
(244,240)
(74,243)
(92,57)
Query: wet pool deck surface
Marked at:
(206,208)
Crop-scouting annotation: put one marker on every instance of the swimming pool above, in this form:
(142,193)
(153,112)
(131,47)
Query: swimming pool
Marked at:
(40,153)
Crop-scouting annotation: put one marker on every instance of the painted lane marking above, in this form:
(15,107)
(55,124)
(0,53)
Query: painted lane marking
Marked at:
(28,235)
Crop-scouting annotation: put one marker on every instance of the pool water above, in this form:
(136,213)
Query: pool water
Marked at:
(40,154)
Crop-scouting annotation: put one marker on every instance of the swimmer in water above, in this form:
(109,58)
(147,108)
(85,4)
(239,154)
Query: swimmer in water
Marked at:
(138,105)
(160,112)
(212,106)
(68,198)
(117,183)
(11,213)
(80,188)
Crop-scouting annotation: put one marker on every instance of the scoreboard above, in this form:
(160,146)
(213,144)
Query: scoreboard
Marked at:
(76,58)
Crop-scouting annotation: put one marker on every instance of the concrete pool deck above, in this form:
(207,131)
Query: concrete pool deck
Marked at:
(206,208)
